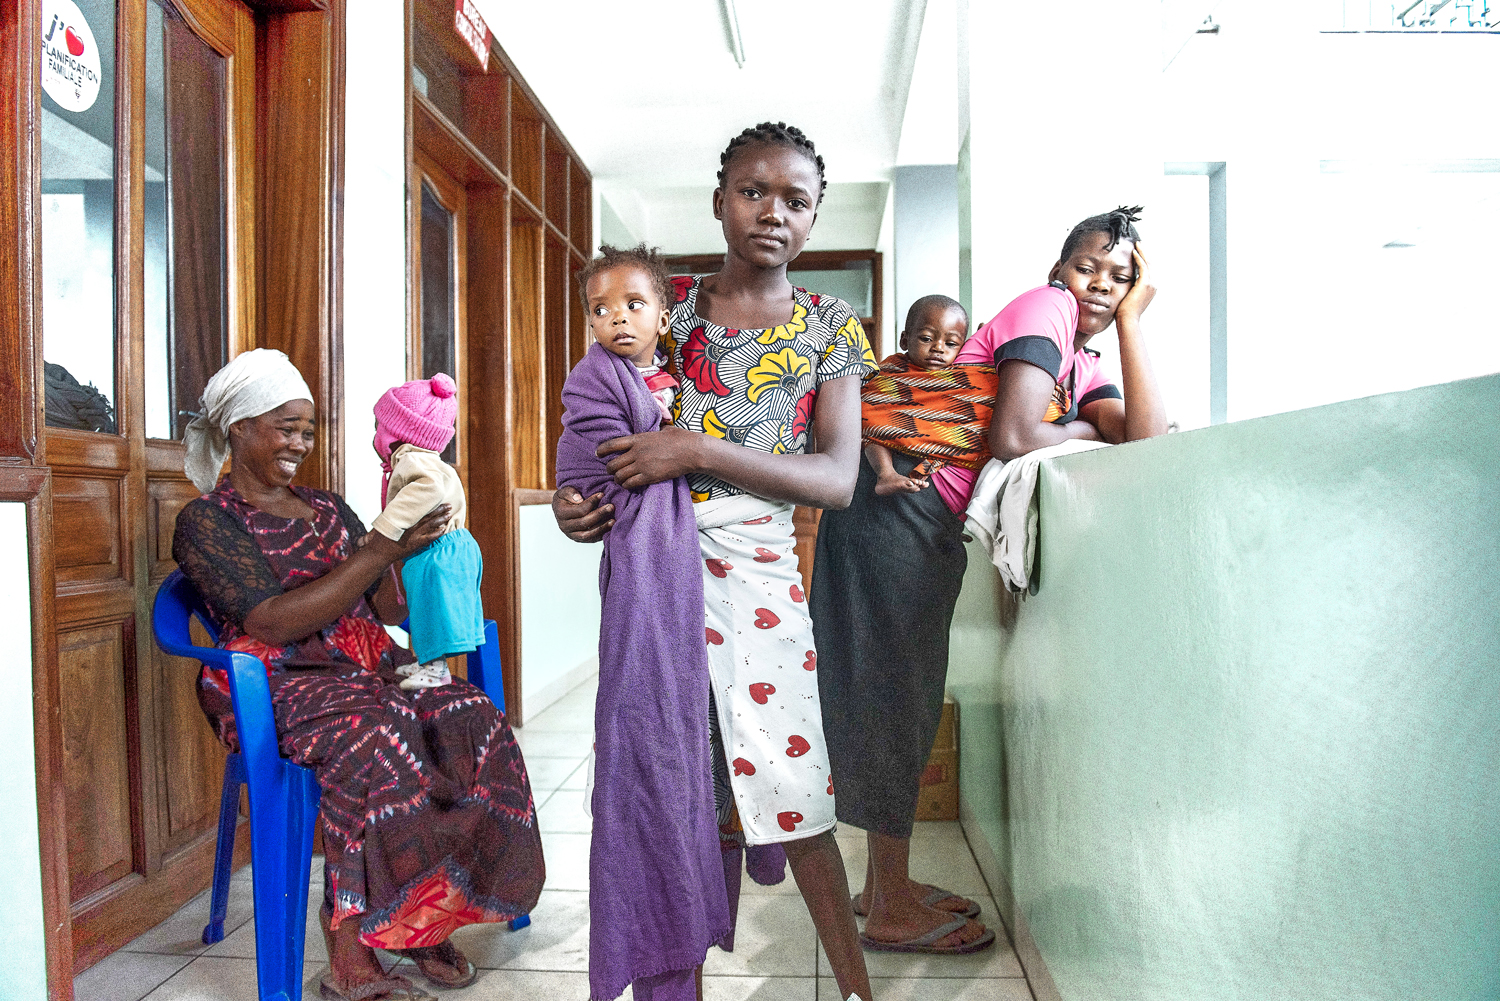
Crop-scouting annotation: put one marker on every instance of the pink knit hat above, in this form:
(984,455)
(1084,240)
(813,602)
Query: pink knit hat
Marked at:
(421,413)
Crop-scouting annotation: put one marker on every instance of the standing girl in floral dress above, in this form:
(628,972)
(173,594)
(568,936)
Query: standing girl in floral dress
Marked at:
(760,364)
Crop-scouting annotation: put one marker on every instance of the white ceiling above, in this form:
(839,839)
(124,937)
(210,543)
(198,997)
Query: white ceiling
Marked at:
(649,94)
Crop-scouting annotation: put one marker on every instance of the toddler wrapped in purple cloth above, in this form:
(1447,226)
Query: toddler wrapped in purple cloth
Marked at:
(657,892)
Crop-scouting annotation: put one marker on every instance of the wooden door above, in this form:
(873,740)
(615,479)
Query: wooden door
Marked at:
(438,339)
(147,248)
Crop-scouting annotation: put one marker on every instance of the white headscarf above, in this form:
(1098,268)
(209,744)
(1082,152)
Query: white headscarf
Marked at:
(255,383)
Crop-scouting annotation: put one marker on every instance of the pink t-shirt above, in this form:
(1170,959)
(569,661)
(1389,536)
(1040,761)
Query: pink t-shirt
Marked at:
(1037,327)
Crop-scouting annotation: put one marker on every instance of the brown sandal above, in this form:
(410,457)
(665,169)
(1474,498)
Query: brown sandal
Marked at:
(391,986)
(432,959)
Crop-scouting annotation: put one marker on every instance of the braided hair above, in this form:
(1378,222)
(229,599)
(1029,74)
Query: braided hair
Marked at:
(647,259)
(777,134)
(1119,224)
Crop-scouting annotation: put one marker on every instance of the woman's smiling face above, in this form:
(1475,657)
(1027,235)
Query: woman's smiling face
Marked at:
(271,447)
(768,203)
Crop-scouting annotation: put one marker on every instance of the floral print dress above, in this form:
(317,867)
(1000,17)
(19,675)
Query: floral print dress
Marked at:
(428,819)
(757,387)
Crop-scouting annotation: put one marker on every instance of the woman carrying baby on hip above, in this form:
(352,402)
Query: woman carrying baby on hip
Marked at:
(758,364)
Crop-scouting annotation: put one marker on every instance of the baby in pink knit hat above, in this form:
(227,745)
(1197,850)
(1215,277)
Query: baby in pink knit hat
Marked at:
(414,422)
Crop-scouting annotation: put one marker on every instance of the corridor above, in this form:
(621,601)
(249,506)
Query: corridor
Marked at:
(776,953)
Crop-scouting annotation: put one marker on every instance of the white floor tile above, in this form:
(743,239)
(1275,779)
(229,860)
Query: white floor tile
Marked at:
(557,938)
(216,978)
(901,989)
(548,774)
(563,812)
(774,937)
(552,744)
(126,976)
(567,857)
(182,933)
(241,942)
(559,718)
(759,989)
(511,985)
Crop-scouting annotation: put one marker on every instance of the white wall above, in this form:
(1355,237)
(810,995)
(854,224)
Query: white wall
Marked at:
(1319,308)
(925,208)
(24,972)
(559,610)
(374,237)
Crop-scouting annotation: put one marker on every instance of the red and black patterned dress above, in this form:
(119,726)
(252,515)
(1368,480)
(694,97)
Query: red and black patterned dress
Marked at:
(428,820)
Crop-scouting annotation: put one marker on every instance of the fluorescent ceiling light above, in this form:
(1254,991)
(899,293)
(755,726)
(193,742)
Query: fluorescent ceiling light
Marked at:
(732,24)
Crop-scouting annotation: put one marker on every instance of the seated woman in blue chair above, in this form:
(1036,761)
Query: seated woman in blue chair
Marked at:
(428,820)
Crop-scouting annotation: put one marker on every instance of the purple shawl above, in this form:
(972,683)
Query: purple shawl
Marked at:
(657,898)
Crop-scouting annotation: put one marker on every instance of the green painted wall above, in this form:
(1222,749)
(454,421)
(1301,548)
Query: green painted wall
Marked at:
(1245,741)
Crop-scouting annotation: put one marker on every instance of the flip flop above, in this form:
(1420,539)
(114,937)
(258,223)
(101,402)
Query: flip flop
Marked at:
(446,954)
(934,894)
(393,987)
(924,943)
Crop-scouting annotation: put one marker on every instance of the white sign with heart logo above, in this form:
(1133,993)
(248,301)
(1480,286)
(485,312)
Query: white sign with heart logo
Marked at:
(70,59)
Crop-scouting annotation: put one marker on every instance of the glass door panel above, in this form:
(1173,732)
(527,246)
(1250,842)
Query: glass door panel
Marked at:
(78,214)
(186,294)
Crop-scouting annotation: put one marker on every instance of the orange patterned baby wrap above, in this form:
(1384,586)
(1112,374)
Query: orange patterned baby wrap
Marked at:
(940,416)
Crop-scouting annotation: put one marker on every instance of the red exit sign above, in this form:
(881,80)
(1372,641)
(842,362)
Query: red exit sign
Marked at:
(470,26)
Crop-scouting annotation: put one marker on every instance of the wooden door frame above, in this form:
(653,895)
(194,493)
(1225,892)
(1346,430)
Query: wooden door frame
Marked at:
(810,260)
(455,198)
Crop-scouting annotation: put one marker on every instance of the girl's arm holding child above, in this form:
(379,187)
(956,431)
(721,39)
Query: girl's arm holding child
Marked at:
(822,478)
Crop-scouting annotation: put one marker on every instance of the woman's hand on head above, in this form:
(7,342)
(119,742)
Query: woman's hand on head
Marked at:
(580,518)
(651,457)
(1141,292)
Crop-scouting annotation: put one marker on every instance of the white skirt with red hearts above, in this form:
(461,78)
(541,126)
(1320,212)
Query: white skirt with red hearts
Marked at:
(763,666)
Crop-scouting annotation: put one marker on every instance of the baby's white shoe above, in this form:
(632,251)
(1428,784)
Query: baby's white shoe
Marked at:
(434,675)
(407,670)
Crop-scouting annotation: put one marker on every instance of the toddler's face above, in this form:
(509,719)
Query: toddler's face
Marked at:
(935,342)
(625,313)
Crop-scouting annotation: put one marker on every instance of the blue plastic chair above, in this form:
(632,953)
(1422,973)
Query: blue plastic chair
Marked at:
(283,796)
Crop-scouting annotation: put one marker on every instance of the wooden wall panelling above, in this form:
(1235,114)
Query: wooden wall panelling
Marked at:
(555,352)
(293,94)
(490,411)
(486,114)
(556,178)
(578,328)
(526,147)
(527,353)
(581,207)
(96,755)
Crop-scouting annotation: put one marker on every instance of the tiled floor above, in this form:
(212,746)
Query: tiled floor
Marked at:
(776,955)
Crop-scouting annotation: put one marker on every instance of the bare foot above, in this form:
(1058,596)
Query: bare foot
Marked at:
(893,482)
